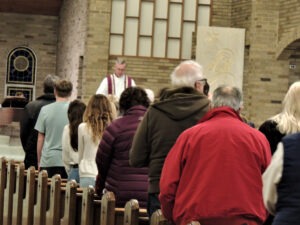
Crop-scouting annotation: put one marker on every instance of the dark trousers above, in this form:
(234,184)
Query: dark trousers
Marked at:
(269,220)
(30,160)
(153,203)
(229,221)
(55,170)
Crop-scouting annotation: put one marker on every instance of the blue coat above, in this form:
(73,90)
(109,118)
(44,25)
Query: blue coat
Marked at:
(288,203)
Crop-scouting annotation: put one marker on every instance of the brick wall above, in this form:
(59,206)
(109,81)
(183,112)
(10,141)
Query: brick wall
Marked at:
(83,48)
(265,78)
(241,16)
(289,31)
(39,33)
(147,72)
(289,17)
(152,73)
(222,13)
(71,42)
(95,62)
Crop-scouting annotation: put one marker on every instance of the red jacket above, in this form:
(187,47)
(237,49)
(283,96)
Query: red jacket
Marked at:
(214,171)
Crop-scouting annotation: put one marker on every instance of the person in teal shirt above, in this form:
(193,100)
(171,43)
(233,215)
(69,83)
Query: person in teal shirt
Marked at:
(50,125)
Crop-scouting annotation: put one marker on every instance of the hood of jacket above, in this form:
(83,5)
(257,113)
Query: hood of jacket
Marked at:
(137,109)
(181,103)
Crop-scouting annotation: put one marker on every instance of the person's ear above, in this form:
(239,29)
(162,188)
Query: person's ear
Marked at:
(198,86)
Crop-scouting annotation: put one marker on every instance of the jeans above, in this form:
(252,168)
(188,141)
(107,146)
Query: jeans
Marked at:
(87,181)
(153,203)
(74,174)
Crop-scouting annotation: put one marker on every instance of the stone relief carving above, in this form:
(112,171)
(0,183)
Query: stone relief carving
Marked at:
(221,53)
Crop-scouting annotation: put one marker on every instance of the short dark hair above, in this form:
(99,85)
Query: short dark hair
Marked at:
(132,96)
(63,88)
(49,83)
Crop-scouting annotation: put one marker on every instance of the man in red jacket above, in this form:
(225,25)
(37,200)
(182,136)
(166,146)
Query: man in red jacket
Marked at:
(213,172)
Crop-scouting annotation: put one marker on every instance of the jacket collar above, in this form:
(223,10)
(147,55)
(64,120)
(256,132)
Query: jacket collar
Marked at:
(223,111)
(47,96)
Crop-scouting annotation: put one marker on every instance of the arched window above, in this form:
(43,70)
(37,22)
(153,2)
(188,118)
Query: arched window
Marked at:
(21,69)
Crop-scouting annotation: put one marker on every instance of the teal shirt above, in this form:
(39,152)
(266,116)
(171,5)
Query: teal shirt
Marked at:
(51,122)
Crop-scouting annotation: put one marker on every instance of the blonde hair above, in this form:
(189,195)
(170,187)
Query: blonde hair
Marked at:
(98,115)
(288,121)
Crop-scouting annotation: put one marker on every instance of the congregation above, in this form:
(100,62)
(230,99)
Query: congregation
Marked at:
(188,152)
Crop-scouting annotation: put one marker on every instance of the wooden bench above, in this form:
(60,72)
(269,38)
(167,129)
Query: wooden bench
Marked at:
(3,173)
(158,218)
(71,204)
(29,197)
(8,193)
(94,211)
(130,215)
(18,194)
(194,223)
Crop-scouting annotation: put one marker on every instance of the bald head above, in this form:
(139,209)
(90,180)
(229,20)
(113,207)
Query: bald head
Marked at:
(186,74)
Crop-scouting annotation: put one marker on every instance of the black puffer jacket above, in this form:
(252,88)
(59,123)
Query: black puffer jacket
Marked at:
(274,136)
(162,124)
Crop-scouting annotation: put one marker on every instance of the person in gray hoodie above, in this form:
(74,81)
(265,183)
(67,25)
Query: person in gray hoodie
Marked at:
(183,106)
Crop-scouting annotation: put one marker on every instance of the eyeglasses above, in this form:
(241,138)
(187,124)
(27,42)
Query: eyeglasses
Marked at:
(202,81)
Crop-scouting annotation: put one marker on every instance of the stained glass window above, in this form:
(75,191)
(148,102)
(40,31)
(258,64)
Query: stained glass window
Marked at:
(21,66)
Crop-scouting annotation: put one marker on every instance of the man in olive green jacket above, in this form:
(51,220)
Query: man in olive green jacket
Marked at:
(182,107)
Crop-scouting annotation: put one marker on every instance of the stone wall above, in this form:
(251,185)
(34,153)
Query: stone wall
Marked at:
(71,42)
(39,33)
